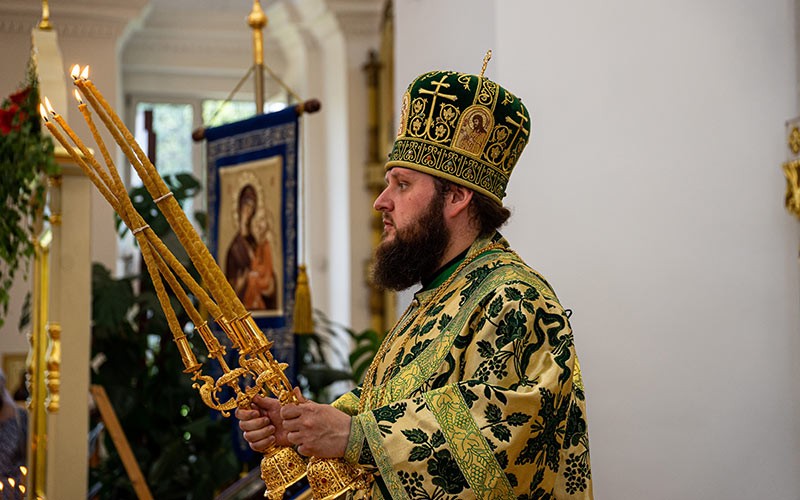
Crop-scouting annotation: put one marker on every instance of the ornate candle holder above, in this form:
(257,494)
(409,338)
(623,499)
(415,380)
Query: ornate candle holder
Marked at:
(281,466)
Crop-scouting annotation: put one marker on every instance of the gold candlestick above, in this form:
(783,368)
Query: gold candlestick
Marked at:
(281,466)
(197,251)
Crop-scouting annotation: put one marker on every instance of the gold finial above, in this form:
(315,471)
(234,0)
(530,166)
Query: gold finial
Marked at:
(257,19)
(44,24)
(486,61)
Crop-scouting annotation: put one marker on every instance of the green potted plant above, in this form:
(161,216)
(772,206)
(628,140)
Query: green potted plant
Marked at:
(26,161)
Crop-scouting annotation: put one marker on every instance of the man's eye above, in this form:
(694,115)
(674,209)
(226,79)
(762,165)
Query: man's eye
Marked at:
(402,185)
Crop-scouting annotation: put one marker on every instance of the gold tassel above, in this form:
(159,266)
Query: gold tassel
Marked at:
(303,321)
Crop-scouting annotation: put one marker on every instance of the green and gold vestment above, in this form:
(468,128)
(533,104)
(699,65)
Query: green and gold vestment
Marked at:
(478,393)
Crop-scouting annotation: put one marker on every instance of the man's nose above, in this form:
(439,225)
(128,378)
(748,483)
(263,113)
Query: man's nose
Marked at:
(382,202)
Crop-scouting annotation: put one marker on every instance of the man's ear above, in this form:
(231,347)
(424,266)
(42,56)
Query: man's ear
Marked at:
(457,200)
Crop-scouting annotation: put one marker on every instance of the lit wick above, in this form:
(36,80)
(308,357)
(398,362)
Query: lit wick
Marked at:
(49,107)
(107,116)
(77,74)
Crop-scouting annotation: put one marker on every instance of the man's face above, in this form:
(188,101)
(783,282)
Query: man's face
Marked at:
(406,196)
(415,235)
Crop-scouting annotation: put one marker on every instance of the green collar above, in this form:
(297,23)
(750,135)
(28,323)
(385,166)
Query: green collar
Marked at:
(451,266)
(444,272)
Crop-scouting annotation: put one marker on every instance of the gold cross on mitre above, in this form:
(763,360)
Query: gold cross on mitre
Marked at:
(791,167)
(436,93)
(519,127)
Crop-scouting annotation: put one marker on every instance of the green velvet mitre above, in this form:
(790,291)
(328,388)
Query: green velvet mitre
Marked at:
(463,128)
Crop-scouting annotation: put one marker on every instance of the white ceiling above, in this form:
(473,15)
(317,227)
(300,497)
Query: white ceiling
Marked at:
(197,47)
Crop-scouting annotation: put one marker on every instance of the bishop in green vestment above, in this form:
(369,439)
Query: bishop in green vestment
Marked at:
(477,391)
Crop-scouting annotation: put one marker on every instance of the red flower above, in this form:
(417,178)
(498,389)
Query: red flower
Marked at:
(20,96)
(7,119)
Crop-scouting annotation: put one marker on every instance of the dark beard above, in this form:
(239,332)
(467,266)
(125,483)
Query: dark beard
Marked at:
(415,252)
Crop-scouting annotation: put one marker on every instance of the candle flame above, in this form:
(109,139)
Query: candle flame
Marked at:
(12,482)
(1,485)
(76,71)
(43,112)
(23,469)
(22,488)
(49,107)
(78,96)
(85,73)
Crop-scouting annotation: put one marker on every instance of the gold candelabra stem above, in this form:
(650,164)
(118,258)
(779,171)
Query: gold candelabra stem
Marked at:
(257,20)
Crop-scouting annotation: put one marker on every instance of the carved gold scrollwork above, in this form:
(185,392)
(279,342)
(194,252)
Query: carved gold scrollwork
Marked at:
(791,168)
(208,393)
(53,374)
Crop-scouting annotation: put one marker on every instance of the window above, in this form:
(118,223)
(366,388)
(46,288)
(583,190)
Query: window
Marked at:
(216,113)
(171,125)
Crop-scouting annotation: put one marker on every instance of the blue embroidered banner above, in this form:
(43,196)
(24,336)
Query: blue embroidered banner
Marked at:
(252,215)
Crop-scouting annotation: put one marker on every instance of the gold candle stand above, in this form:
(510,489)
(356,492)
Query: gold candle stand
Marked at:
(281,466)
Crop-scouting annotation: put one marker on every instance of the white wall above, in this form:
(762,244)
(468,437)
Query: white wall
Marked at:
(424,41)
(651,196)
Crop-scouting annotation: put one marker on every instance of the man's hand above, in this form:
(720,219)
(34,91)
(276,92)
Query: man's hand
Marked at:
(262,426)
(317,430)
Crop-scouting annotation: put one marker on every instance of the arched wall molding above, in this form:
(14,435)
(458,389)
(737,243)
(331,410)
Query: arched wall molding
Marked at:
(81,18)
(14,24)
(197,61)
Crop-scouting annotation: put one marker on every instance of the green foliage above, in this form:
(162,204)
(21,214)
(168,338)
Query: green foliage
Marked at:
(26,159)
(315,372)
(366,347)
(185,451)
(366,344)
